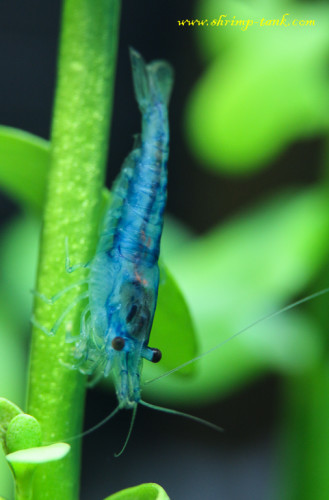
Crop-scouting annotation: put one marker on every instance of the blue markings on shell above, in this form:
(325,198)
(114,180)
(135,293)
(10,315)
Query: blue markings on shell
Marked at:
(124,274)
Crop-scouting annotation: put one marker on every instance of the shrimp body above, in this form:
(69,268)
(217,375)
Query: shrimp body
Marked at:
(124,274)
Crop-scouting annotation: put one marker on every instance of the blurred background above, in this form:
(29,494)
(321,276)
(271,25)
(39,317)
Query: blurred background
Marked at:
(246,233)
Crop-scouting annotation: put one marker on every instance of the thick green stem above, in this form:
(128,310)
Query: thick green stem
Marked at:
(79,140)
(24,485)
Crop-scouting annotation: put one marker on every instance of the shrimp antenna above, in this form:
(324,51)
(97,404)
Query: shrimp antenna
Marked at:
(263,318)
(97,426)
(133,417)
(182,414)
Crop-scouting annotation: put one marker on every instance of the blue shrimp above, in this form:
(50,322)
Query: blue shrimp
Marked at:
(124,274)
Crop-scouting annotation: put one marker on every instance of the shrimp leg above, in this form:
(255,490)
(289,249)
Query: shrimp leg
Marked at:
(68,268)
(83,335)
(54,329)
(58,295)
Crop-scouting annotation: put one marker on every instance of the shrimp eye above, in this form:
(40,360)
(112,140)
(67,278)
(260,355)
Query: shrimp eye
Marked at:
(157,355)
(132,313)
(118,343)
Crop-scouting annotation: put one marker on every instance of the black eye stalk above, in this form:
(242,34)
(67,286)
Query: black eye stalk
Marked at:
(157,355)
(150,353)
(118,343)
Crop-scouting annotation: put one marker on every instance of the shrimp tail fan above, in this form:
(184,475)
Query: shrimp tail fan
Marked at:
(152,82)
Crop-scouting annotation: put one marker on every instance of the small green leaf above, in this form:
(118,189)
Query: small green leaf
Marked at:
(148,491)
(23,432)
(39,455)
(8,411)
(24,162)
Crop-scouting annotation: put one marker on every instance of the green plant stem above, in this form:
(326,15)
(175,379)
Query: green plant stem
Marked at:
(305,444)
(80,128)
(24,486)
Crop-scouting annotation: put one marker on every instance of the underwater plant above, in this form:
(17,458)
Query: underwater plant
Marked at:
(230,273)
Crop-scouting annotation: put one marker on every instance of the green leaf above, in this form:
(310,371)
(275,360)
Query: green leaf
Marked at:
(24,160)
(18,269)
(39,455)
(8,411)
(265,88)
(175,235)
(240,272)
(173,325)
(24,464)
(23,432)
(148,491)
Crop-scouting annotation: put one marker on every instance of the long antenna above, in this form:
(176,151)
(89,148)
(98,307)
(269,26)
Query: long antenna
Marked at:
(133,417)
(182,414)
(95,427)
(220,344)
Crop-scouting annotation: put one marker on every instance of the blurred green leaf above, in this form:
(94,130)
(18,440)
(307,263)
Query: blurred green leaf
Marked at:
(266,88)
(24,161)
(240,272)
(12,358)
(148,491)
(18,269)
(214,40)
(175,235)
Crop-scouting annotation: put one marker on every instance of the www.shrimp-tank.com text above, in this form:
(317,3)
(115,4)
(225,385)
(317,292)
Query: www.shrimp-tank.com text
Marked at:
(225,21)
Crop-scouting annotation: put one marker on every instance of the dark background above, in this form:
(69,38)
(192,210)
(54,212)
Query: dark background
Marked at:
(189,461)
